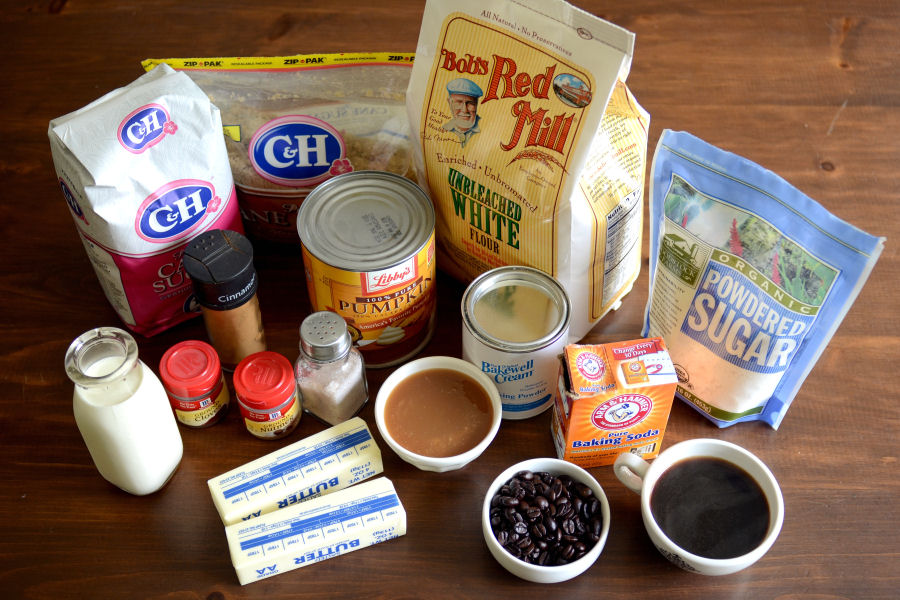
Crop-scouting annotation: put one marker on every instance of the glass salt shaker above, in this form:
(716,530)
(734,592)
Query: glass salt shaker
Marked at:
(122,412)
(330,371)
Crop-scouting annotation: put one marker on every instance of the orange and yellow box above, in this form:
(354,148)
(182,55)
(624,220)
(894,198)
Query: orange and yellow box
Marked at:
(613,398)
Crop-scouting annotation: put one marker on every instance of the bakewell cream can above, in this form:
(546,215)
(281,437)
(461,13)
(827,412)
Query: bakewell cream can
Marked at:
(515,327)
(367,239)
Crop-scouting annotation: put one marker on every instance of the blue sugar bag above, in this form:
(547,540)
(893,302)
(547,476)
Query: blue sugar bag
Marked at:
(749,279)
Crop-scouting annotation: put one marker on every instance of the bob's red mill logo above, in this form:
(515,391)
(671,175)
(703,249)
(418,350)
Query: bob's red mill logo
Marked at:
(533,124)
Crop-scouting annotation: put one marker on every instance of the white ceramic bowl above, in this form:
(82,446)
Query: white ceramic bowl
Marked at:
(431,463)
(538,573)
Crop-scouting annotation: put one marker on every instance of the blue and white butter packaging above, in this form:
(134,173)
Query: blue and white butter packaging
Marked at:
(749,279)
(320,464)
(310,532)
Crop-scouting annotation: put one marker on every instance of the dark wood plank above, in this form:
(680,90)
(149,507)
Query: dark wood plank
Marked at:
(808,89)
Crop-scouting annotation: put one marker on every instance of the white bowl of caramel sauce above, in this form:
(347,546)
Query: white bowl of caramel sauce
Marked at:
(438,413)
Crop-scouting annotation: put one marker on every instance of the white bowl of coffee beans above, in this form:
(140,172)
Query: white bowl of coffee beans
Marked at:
(545,520)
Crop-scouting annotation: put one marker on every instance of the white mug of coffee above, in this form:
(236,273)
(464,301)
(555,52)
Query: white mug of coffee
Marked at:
(709,506)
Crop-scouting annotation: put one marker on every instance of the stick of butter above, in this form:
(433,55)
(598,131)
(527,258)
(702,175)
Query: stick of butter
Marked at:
(322,463)
(316,530)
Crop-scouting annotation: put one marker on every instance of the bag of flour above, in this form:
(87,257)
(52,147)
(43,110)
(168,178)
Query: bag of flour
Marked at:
(144,170)
(523,164)
(749,279)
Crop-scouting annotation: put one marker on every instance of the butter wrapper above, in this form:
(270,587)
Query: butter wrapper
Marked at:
(323,528)
(319,464)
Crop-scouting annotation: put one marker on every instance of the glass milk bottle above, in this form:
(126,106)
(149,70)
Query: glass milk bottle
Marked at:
(122,412)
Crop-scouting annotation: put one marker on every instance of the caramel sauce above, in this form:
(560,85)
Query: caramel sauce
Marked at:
(438,413)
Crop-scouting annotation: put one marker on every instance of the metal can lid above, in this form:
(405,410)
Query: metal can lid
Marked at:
(324,336)
(265,380)
(365,220)
(190,369)
(220,265)
(516,308)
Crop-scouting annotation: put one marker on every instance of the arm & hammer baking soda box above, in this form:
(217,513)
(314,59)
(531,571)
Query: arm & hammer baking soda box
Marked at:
(613,398)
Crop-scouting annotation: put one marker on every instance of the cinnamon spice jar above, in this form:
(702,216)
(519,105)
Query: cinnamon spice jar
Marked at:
(220,265)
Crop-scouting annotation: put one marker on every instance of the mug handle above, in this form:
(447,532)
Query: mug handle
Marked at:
(631,470)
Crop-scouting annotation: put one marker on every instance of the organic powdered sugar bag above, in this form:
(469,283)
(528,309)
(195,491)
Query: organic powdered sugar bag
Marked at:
(749,279)
(144,170)
(521,161)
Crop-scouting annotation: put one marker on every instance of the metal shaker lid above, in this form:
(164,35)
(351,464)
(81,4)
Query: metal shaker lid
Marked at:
(324,336)
(220,265)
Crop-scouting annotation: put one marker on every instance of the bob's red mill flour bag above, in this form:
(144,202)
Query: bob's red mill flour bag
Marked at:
(523,165)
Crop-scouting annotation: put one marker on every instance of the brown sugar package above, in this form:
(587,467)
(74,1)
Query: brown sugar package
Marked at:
(533,149)
(292,122)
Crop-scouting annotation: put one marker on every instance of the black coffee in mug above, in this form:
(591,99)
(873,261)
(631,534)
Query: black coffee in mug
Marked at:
(710,507)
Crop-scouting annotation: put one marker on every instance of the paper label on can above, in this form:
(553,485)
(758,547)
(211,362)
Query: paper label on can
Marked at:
(389,312)
(527,381)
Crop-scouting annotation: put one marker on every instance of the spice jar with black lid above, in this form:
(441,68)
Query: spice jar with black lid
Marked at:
(220,265)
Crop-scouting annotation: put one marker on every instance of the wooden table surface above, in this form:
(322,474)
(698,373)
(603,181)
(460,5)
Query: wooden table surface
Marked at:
(809,89)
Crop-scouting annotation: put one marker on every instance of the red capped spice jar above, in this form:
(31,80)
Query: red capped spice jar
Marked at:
(192,375)
(267,395)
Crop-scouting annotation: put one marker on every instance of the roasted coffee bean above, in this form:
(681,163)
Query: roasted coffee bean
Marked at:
(550,524)
(524,476)
(545,519)
(583,491)
(577,503)
(509,501)
(557,487)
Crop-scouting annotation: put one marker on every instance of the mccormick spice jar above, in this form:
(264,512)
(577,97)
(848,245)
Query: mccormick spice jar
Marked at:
(220,264)
(267,395)
(192,375)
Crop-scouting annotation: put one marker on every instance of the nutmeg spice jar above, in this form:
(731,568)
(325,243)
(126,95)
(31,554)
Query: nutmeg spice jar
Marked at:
(267,394)
(220,265)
